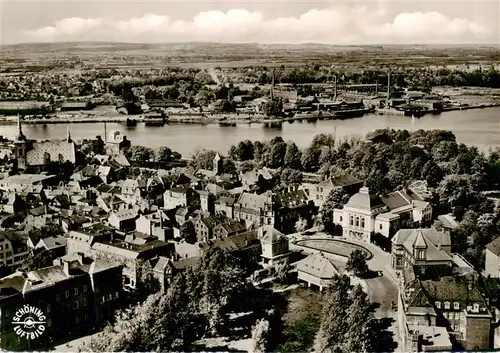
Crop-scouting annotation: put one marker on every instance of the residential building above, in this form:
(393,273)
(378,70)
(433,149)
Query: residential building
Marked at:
(319,192)
(225,205)
(290,206)
(205,226)
(153,225)
(179,197)
(123,220)
(230,228)
(492,259)
(255,209)
(13,248)
(245,246)
(130,251)
(422,248)
(25,182)
(454,303)
(76,294)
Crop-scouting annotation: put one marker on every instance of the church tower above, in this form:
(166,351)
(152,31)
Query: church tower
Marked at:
(20,146)
(68,135)
(218,164)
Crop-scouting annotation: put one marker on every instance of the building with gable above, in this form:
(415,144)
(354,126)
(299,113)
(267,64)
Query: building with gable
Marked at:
(421,248)
(453,303)
(255,209)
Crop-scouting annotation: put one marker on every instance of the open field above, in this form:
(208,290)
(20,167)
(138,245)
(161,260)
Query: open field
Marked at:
(201,55)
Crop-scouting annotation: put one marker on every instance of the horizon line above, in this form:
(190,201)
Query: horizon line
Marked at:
(493,44)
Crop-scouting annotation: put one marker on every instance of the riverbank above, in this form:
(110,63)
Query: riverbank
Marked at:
(221,119)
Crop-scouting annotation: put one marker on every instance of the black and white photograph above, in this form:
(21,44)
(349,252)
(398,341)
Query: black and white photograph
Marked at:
(261,176)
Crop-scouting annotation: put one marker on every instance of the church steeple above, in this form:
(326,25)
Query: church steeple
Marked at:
(20,135)
(68,134)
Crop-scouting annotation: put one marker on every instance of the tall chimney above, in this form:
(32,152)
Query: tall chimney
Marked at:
(335,88)
(389,85)
(66,268)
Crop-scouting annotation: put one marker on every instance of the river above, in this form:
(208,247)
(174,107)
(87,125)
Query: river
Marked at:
(479,127)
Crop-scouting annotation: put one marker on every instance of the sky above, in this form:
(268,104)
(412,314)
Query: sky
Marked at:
(262,21)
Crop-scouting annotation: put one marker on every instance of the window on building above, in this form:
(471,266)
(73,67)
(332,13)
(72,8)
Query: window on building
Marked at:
(58,297)
(76,304)
(457,316)
(446,305)
(421,254)
(66,293)
(117,295)
(110,296)
(85,302)
(357,221)
(438,305)
(77,319)
(362,222)
(49,322)
(340,218)
(456,306)
(48,308)
(455,327)
(75,291)
(85,288)
(351,220)
(380,226)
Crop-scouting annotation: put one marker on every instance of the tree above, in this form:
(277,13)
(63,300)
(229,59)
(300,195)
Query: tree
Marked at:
(337,198)
(282,271)
(204,159)
(260,335)
(333,326)
(243,151)
(140,154)
(163,155)
(273,107)
(228,166)
(38,259)
(360,320)
(188,232)
(357,263)
(290,177)
(301,225)
(310,159)
(431,173)
(147,283)
(274,156)
(46,159)
(293,156)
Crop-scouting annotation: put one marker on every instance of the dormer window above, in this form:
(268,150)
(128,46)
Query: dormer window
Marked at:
(420,254)
(446,305)
(438,305)
(456,306)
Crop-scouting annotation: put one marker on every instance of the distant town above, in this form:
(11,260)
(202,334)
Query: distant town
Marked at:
(388,242)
